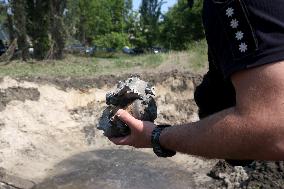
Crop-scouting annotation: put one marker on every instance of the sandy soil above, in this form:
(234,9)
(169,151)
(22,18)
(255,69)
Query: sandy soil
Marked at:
(49,136)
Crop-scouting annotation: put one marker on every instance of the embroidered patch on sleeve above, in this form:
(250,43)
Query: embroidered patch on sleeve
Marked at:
(238,28)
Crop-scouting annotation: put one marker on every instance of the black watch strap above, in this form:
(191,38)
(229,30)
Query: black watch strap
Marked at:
(155,140)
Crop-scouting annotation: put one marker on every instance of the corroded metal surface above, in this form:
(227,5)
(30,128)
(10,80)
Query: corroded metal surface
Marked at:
(133,95)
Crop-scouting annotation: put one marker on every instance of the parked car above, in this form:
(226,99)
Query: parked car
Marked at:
(90,50)
(100,51)
(138,50)
(127,50)
(133,51)
(76,49)
(157,50)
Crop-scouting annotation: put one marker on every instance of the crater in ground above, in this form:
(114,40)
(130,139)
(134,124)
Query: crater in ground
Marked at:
(49,138)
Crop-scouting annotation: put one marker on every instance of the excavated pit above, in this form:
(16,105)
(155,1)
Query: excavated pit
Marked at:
(49,139)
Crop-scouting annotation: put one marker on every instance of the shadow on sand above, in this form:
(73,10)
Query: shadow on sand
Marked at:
(117,169)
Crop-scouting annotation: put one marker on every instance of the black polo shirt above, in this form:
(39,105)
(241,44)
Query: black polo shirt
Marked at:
(242,34)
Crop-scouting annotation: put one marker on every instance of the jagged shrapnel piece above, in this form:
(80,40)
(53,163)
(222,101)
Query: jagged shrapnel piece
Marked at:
(135,96)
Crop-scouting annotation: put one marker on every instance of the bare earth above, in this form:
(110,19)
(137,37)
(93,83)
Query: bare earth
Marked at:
(49,136)
(49,139)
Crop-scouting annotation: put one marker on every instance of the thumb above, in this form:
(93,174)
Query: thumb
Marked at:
(128,119)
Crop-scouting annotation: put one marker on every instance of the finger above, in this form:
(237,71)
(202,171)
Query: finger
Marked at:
(128,119)
(121,140)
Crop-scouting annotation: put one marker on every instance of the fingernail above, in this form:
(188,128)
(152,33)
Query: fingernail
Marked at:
(119,112)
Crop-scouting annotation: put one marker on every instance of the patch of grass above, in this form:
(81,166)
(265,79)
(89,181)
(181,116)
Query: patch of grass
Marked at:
(124,63)
(143,61)
(195,60)
(48,68)
(198,54)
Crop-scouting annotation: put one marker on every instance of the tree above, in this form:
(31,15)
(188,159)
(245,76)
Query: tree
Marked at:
(2,13)
(84,13)
(19,14)
(57,29)
(135,31)
(182,25)
(128,15)
(113,40)
(71,17)
(38,13)
(101,19)
(150,11)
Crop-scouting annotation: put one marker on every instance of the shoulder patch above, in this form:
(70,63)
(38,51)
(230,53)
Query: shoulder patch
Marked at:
(238,28)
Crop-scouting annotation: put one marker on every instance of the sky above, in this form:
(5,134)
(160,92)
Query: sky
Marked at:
(168,3)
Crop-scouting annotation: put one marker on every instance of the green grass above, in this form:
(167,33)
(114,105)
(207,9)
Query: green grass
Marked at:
(198,52)
(194,60)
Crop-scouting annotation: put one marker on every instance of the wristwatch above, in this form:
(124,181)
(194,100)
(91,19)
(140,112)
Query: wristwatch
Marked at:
(155,140)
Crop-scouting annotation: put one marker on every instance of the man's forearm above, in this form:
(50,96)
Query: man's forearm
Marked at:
(227,134)
(254,129)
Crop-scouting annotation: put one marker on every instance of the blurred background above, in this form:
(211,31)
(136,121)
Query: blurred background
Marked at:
(102,36)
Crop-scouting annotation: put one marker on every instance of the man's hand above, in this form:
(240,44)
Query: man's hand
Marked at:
(141,131)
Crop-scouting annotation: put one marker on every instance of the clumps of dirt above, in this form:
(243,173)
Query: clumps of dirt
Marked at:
(65,83)
(266,175)
(228,176)
(109,80)
(19,94)
(258,174)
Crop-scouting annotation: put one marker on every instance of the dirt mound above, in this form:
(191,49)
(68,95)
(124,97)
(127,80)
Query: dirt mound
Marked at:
(109,80)
(258,174)
(265,175)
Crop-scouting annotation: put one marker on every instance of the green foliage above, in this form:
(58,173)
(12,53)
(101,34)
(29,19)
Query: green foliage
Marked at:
(70,17)
(112,40)
(2,14)
(38,26)
(57,28)
(199,55)
(150,11)
(137,39)
(20,25)
(110,24)
(98,18)
(182,25)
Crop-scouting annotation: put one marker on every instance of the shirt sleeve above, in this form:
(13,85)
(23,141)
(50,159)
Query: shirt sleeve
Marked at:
(244,33)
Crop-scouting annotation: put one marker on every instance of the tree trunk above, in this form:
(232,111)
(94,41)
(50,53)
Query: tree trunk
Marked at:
(10,28)
(57,28)
(18,8)
(38,26)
